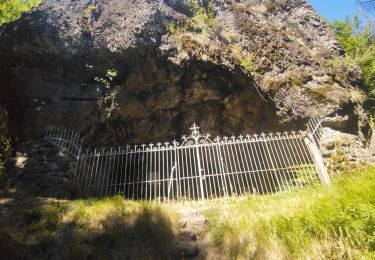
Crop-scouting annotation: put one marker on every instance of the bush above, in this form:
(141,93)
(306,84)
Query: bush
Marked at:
(11,10)
(359,44)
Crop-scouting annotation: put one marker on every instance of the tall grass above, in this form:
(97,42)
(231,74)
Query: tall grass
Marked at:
(338,222)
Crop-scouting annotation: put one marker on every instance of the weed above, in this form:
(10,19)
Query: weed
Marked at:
(109,91)
(87,19)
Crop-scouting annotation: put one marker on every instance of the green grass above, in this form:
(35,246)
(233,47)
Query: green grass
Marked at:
(338,222)
(91,228)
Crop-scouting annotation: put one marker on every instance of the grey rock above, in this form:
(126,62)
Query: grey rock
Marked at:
(372,143)
(164,85)
(187,235)
(62,161)
(187,249)
(9,164)
(71,186)
(348,145)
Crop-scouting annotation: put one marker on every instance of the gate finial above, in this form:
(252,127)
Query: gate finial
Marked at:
(194,130)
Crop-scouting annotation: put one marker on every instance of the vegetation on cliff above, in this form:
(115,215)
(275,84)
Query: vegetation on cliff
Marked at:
(358,41)
(11,10)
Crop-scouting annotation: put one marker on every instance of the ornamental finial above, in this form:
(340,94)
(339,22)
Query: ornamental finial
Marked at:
(194,130)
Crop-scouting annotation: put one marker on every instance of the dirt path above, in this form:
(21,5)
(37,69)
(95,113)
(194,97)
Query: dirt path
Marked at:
(194,241)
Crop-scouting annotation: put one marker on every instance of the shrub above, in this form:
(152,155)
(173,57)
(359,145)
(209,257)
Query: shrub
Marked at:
(11,10)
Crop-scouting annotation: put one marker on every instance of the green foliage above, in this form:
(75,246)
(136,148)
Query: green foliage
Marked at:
(108,90)
(87,21)
(11,10)
(316,223)
(246,62)
(203,18)
(359,44)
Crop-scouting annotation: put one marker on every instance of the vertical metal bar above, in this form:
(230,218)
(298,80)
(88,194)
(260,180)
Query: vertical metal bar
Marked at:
(271,163)
(250,158)
(231,170)
(100,172)
(142,170)
(185,173)
(221,167)
(241,153)
(237,163)
(278,155)
(103,170)
(95,172)
(245,165)
(144,180)
(301,159)
(283,160)
(199,171)
(179,186)
(126,167)
(193,172)
(293,157)
(259,171)
(212,164)
(88,175)
(135,154)
(109,173)
(159,172)
(119,177)
(264,170)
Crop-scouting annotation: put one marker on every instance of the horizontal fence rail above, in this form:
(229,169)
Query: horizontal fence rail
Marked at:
(200,168)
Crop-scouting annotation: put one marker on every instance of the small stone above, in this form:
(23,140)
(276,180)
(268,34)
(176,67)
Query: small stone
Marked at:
(182,223)
(187,249)
(187,235)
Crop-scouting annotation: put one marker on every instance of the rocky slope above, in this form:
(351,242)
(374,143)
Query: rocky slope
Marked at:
(261,66)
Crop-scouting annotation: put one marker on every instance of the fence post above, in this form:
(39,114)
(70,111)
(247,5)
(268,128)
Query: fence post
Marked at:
(318,159)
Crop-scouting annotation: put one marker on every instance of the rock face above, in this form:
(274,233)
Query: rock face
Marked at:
(261,67)
(43,169)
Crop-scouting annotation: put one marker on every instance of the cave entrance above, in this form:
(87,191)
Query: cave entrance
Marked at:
(199,168)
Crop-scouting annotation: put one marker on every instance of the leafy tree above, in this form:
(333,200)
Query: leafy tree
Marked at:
(358,42)
(11,10)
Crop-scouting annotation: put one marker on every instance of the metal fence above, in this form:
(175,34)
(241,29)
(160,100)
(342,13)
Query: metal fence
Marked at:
(64,138)
(199,167)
